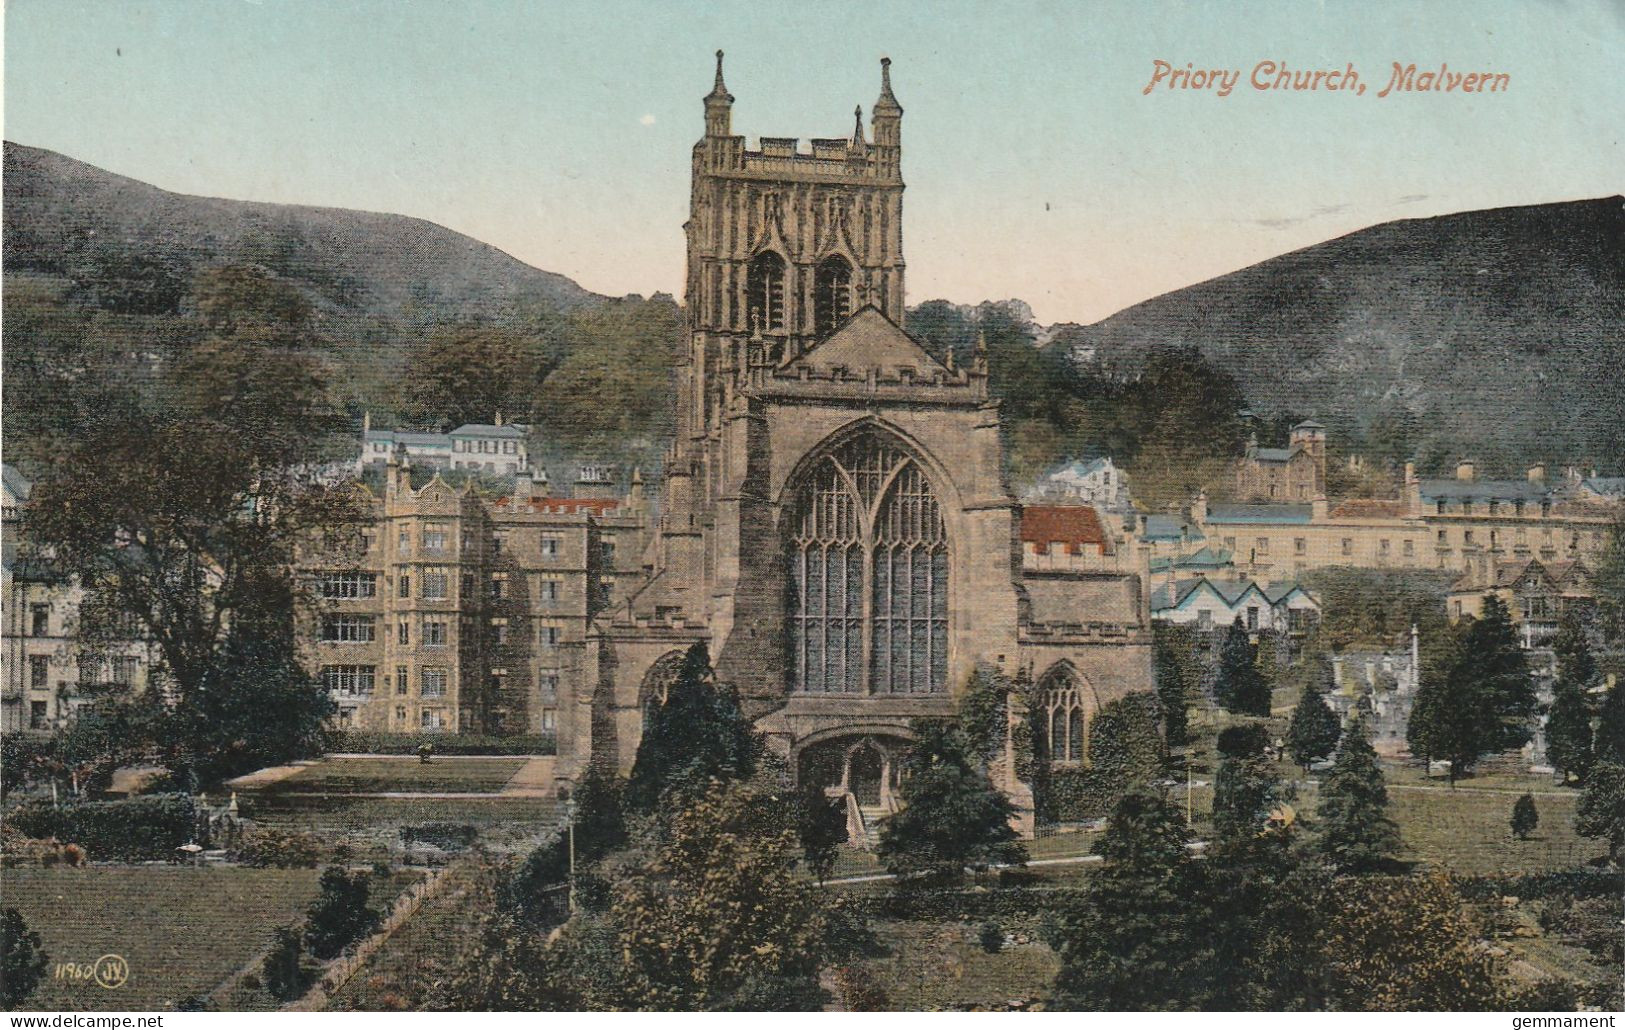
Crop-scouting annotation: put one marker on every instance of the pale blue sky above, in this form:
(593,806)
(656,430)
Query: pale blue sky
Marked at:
(560,131)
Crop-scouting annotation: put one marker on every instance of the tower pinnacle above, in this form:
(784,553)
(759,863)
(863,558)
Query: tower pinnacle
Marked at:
(720,90)
(718,119)
(888,101)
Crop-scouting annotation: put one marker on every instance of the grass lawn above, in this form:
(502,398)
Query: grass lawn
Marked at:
(371,826)
(459,774)
(940,965)
(399,973)
(1470,833)
(181,929)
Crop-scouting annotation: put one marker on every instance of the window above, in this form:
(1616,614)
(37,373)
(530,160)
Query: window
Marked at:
(434,681)
(1517,509)
(499,585)
(403,632)
(39,671)
(1444,538)
(548,683)
(1300,546)
(433,720)
(832,295)
(499,631)
(347,629)
(606,550)
(405,585)
(400,680)
(403,540)
(400,714)
(38,715)
(548,634)
(550,720)
(1495,507)
(1263,545)
(1230,543)
(1440,507)
(547,590)
(764,292)
(347,585)
(434,633)
(435,582)
(1252,616)
(1062,703)
(348,679)
(1204,620)
(434,536)
(551,544)
(40,620)
(1383,546)
(1409,548)
(123,669)
(499,542)
(868,565)
(1467,538)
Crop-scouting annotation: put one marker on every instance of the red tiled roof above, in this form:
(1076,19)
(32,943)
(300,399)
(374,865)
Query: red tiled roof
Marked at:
(1367,508)
(566,505)
(1075,526)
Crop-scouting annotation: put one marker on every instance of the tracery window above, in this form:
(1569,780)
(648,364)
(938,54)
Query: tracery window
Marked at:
(1062,706)
(832,295)
(765,290)
(868,575)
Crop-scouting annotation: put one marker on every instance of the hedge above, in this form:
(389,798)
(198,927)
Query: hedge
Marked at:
(372,743)
(1575,883)
(962,904)
(133,830)
(445,836)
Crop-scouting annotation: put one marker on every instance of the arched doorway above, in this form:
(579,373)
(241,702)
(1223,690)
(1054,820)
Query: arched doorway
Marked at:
(866,772)
(867,766)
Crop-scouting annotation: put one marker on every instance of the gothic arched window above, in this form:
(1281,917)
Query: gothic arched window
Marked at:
(832,295)
(868,605)
(1061,702)
(764,290)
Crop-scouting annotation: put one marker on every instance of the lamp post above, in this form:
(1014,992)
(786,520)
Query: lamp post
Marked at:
(570,817)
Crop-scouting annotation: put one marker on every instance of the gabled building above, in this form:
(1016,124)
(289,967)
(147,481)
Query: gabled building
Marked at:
(495,448)
(1214,603)
(1296,472)
(1535,593)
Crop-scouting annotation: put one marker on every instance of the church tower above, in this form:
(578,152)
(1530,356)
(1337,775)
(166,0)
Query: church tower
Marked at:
(785,242)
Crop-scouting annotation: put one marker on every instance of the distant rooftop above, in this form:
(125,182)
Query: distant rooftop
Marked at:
(1226,514)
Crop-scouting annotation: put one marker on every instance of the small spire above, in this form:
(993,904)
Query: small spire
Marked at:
(887,103)
(857,126)
(721,88)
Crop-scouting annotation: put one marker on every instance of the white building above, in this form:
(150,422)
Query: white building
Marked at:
(1213,602)
(1096,481)
(479,447)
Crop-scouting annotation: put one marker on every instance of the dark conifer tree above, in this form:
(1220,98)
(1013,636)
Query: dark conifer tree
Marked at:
(1241,688)
(954,815)
(1314,730)
(1356,834)
(1524,816)
(698,734)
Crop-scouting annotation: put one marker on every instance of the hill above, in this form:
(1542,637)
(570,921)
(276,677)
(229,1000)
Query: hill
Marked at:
(129,246)
(1498,334)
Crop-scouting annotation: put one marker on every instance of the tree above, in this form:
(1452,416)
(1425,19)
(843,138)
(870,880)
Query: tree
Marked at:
(189,522)
(821,828)
(1610,738)
(1174,689)
(698,734)
(1479,701)
(953,815)
(718,911)
(476,373)
(1314,731)
(1356,834)
(1244,789)
(1132,942)
(1241,687)
(281,968)
(1568,722)
(1601,810)
(22,960)
(339,916)
(1124,745)
(1524,816)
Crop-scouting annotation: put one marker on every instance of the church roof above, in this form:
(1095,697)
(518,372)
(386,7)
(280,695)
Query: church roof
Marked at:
(870,340)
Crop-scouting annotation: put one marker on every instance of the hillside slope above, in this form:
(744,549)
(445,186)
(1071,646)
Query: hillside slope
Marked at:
(138,246)
(1497,333)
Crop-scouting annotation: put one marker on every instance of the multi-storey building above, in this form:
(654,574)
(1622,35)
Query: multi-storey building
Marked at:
(1452,524)
(54,660)
(495,448)
(451,611)
(1296,472)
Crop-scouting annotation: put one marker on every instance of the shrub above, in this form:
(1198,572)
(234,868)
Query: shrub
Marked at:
(133,830)
(340,916)
(277,849)
(991,936)
(445,836)
(22,963)
(377,743)
(284,976)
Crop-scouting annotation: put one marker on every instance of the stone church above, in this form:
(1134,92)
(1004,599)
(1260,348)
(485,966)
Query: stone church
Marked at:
(835,523)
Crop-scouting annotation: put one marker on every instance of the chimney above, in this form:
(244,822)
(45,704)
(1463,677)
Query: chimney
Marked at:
(498,418)
(366,422)
(1464,470)
(1199,509)
(398,471)
(1537,473)
(1318,510)
(524,487)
